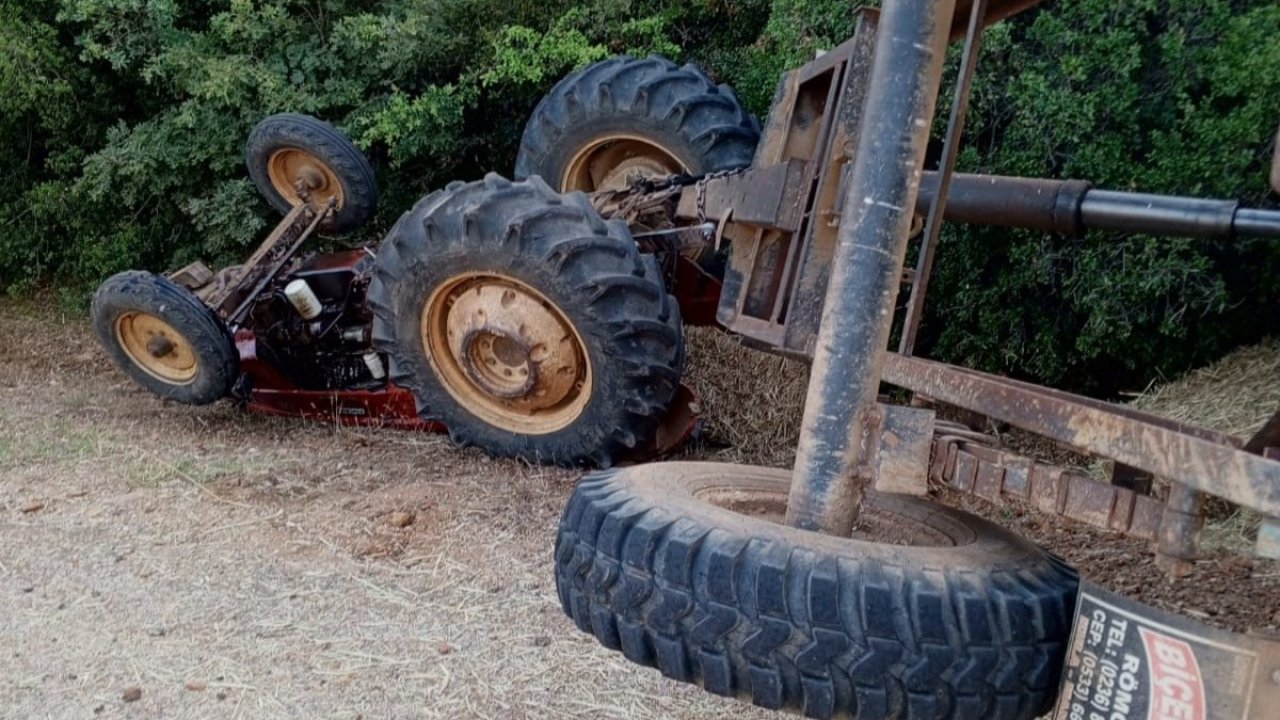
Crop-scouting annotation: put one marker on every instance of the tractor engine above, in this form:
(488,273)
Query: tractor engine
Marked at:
(313,326)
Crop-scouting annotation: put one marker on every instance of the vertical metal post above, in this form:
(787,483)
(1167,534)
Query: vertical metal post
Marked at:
(1178,541)
(838,438)
(938,208)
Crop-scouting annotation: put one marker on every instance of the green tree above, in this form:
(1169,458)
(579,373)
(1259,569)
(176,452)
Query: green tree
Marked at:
(123,122)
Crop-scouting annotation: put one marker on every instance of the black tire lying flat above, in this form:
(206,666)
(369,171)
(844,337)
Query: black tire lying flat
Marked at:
(345,170)
(164,338)
(676,565)
(701,125)
(550,260)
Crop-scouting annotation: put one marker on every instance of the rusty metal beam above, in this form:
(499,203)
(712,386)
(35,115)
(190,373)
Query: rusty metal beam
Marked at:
(998,10)
(971,465)
(1200,459)
(767,197)
(832,467)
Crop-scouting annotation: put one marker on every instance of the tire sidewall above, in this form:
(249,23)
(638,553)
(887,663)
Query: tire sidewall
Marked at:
(981,547)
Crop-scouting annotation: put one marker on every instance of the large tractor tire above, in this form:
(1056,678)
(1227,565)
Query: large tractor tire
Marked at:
(925,613)
(164,338)
(624,118)
(526,323)
(289,150)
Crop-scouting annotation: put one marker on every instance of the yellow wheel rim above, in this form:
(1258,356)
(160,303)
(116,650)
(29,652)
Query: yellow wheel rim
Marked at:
(612,162)
(506,353)
(291,168)
(153,345)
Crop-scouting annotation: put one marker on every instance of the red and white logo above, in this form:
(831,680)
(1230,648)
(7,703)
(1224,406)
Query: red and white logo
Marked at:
(1177,690)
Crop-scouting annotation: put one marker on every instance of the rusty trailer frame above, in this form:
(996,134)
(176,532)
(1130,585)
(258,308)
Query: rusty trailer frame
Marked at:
(818,232)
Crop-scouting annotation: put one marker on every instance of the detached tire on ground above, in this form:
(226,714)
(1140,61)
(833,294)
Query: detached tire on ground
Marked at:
(164,338)
(686,567)
(526,323)
(626,117)
(286,149)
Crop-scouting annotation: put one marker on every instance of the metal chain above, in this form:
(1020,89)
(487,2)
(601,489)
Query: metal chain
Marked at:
(702,190)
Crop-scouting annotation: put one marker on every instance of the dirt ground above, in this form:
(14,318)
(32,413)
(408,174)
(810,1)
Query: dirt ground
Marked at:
(230,566)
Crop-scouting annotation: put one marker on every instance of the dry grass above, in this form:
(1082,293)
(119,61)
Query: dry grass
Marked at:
(753,402)
(259,559)
(1235,395)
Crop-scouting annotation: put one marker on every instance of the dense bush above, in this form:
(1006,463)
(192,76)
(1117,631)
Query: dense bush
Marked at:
(123,122)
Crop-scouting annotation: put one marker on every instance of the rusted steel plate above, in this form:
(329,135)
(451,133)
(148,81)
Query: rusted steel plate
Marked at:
(1184,455)
(993,474)
(997,10)
(986,484)
(1089,501)
(767,197)
(851,68)
(966,471)
(1145,521)
(1048,489)
(1122,510)
(906,438)
(1268,543)
(1017,476)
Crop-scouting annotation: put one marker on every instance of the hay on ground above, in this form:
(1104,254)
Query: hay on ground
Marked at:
(752,401)
(1234,395)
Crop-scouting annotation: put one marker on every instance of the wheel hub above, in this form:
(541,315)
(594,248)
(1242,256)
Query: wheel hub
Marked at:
(499,363)
(295,173)
(160,346)
(504,351)
(613,162)
(156,347)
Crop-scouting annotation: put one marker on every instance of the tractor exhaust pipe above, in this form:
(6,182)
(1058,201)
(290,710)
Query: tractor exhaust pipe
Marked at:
(1072,207)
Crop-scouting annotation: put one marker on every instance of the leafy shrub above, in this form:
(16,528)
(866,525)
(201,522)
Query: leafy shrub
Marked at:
(124,120)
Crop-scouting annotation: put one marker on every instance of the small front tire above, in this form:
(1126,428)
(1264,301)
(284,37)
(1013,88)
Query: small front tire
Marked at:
(289,150)
(165,338)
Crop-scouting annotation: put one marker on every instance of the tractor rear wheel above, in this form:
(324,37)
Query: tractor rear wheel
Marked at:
(291,154)
(164,338)
(526,323)
(626,118)
(926,612)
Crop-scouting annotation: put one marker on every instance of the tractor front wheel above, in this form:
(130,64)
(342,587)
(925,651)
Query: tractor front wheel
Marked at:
(164,338)
(292,156)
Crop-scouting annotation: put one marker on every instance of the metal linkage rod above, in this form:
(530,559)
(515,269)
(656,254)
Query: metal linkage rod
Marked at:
(951,148)
(838,435)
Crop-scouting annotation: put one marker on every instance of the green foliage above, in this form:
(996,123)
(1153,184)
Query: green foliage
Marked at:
(130,115)
(124,122)
(1178,97)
